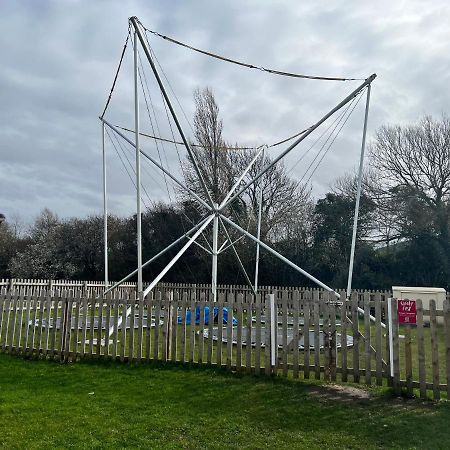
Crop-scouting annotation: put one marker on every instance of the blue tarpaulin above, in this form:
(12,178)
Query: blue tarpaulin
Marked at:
(206,312)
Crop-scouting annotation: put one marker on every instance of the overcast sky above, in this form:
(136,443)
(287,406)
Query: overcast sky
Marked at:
(58,60)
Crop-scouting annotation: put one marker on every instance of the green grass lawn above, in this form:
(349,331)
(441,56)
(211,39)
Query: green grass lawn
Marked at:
(44,404)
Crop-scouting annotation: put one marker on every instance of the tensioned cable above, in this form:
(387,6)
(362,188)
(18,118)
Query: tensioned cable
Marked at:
(337,119)
(331,143)
(163,148)
(155,179)
(183,112)
(149,164)
(132,166)
(166,140)
(249,66)
(181,107)
(289,138)
(187,120)
(117,73)
(124,166)
(330,137)
(178,153)
(189,123)
(151,121)
(181,143)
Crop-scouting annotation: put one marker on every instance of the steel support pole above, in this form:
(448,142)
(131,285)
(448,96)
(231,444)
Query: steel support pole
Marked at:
(125,138)
(280,256)
(291,264)
(134,21)
(222,247)
(105,210)
(302,137)
(258,231)
(203,248)
(162,252)
(358,196)
(206,222)
(241,265)
(215,239)
(138,171)
(225,247)
(239,180)
(179,254)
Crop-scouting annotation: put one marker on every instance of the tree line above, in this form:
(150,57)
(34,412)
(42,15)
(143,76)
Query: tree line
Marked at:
(403,235)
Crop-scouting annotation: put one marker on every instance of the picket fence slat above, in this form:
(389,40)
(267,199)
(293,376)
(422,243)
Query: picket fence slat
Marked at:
(258,307)
(239,315)
(316,335)
(367,341)
(378,341)
(447,343)
(230,305)
(434,350)
(356,334)
(306,326)
(421,350)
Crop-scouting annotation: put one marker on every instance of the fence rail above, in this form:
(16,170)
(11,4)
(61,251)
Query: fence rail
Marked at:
(302,333)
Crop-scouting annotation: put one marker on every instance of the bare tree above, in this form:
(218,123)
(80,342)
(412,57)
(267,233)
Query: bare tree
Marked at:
(284,201)
(286,205)
(413,166)
(214,157)
(385,225)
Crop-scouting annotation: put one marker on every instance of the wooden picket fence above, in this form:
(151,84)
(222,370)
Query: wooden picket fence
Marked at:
(96,288)
(300,333)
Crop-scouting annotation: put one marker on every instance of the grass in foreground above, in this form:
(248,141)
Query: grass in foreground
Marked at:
(108,405)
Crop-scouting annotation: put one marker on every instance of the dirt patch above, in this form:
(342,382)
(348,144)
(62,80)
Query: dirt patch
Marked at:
(340,392)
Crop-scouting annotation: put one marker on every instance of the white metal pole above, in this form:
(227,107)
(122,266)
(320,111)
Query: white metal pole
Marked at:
(242,176)
(301,138)
(391,341)
(105,210)
(178,255)
(225,247)
(280,256)
(258,231)
(273,330)
(159,166)
(358,196)
(290,263)
(247,278)
(214,254)
(138,170)
(138,32)
(167,268)
(154,258)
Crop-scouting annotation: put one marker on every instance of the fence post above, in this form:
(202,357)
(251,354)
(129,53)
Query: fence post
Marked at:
(434,350)
(169,326)
(394,345)
(421,350)
(273,333)
(64,329)
(326,341)
(447,343)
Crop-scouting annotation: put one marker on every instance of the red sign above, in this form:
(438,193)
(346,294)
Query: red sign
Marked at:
(406,311)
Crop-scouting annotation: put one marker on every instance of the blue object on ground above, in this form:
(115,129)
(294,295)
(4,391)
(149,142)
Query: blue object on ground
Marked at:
(206,313)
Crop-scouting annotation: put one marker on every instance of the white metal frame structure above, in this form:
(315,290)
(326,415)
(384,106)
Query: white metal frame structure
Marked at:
(216,212)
